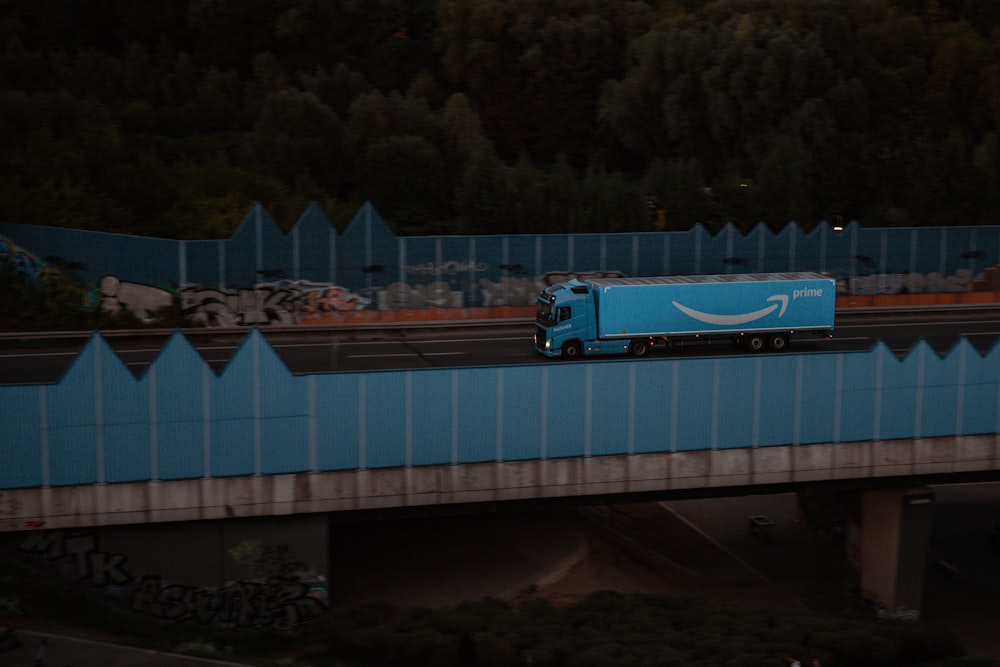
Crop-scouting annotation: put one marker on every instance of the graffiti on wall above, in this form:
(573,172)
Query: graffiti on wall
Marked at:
(141,300)
(278,302)
(23,262)
(274,601)
(907,283)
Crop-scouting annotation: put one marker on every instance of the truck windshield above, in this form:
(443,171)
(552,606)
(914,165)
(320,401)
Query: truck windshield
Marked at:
(544,314)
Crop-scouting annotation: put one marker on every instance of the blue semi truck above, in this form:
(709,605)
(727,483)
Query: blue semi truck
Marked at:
(631,315)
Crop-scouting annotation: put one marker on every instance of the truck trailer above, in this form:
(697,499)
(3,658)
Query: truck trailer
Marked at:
(759,311)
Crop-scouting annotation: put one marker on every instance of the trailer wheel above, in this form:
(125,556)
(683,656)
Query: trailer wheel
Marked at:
(777,342)
(572,350)
(755,342)
(639,347)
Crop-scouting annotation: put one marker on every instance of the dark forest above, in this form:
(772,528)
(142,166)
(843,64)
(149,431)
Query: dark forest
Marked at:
(499,116)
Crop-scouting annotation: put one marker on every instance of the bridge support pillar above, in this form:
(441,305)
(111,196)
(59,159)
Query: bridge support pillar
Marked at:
(890,549)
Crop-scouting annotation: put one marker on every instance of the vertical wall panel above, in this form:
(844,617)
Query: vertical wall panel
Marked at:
(477,415)
(284,403)
(21,437)
(431,417)
(385,423)
(817,399)
(338,421)
(696,423)
(898,394)
(654,401)
(857,396)
(940,392)
(736,399)
(565,428)
(981,391)
(610,408)
(179,410)
(125,415)
(522,425)
(73,429)
(778,398)
(233,399)
(261,417)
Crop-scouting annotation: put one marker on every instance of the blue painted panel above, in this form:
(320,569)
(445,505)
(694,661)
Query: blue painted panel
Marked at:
(385,420)
(737,382)
(420,261)
(284,445)
(180,449)
(610,407)
(695,418)
(233,392)
(521,260)
(776,250)
(489,258)
(857,397)
(899,396)
(718,246)
(839,259)
(649,254)
(432,421)
(939,399)
(21,443)
(281,393)
(924,247)
(980,398)
(522,404)
(178,373)
(338,412)
(455,270)
(618,253)
(316,238)
(654,405)
(241,254)
(124,399)
(566,430)
(72,401)
(587,252)
(810,248)
(127,456)
(818,406)
(778,399)
(685,252)
(555,253)
(73,455)
(477,415)
(368,252)
(202,261)
(232,451)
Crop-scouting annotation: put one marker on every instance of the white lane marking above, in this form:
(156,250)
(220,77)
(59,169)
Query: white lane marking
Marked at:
(409,354)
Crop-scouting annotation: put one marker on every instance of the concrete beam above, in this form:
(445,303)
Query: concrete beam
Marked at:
(369,489)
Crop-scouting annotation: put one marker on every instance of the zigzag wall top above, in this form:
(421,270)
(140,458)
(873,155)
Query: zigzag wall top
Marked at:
(378,269)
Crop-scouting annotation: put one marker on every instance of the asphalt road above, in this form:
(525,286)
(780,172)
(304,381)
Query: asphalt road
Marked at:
(315,350)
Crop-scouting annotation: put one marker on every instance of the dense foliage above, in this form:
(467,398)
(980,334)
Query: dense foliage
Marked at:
(499,116)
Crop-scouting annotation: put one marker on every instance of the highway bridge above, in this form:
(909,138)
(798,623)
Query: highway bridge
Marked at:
(103,456)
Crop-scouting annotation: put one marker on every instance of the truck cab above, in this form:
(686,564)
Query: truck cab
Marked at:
(566,323)
(565,315)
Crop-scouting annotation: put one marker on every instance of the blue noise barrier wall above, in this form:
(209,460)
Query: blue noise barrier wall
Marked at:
(100,424)
(368,256)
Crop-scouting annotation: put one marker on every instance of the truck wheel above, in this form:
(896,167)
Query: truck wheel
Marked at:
(777,342)
(754,342)
(639,348)
(572,350)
